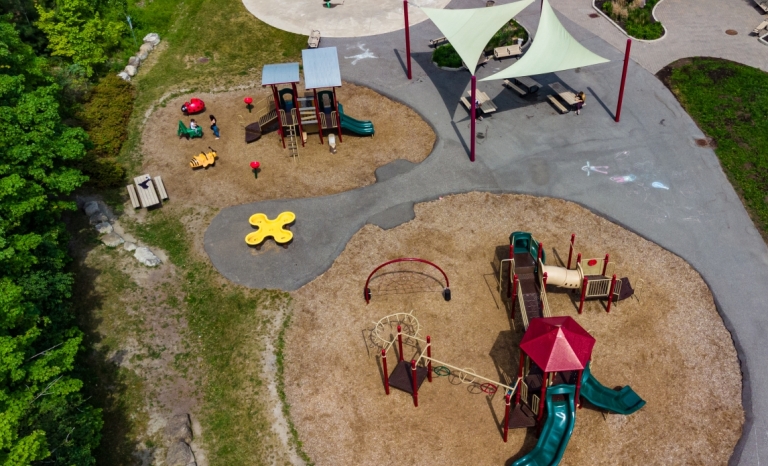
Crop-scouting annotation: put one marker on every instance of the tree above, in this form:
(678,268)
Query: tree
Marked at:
(42,413)
(76,29)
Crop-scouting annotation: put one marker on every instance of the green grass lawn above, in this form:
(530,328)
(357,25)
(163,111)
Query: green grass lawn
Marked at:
(729,102)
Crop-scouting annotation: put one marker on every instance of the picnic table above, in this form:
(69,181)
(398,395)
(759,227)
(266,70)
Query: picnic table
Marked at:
(143,193)
(567,96)
(486,104)
(530,84)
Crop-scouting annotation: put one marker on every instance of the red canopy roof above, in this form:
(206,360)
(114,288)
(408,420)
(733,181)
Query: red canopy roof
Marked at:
(557,344)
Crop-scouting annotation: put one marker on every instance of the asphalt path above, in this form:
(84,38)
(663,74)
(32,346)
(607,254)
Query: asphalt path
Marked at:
(659,184)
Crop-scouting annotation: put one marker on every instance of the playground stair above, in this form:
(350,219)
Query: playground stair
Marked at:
(293,143)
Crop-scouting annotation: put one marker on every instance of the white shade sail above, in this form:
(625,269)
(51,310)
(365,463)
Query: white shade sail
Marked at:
(469,30)
(553,49)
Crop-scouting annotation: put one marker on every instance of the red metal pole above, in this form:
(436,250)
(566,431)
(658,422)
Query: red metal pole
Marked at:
(519,376)
(317,115)
(338,115)
(539,253)
(386,372)
(414,379)
(506,416)
(570,250)
(512,257)
(543,394)
(610,293)
(429,358)
(473,95)
(623,80)
(298,112)
(605,263)
(277,110)
(407,37)
(583,294)
(514,296)
(578,388)
(400,341)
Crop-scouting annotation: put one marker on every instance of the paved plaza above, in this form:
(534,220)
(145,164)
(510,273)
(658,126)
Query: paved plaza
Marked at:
(660,183)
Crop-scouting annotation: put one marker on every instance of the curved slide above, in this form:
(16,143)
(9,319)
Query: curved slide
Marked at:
(363,128)
(557,429)
(624,401)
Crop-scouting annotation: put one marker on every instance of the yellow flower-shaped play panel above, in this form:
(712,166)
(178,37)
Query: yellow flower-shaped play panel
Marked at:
(275,228)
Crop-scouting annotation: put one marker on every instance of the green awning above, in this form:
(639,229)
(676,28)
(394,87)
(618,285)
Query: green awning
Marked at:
(553,49)
(469,30)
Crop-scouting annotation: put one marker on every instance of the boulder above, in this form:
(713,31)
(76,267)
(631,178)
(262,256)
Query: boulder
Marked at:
(112,240)
(134,61)
(131,70)
(103,227)
(91,208)
(179,428)
(146,257)
(98,217)
(142,55)
(124,76)
(153,38)
(179,454)
(128,246)
(146,47)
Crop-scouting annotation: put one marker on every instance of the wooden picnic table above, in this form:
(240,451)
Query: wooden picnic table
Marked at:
(530,84)
(146,191)
(486,104)
(567,96)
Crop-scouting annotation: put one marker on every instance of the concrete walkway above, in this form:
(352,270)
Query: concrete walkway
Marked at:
(531,149)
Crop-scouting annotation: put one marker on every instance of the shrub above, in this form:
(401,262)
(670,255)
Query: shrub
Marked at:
(446,55)
(507,35)
(105,117)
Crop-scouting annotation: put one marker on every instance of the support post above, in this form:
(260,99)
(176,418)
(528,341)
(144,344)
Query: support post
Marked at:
(400,341)
(386,372)
(509,275)
(407,38)
(583,293)
(429,359)
(543,394)
(514,297)
(277,110)
(473,96)
(570,250)
(506,416)
(415,380)
(298,112)
(539,253)
(338,114)
(317,115)
(610,293)
(623,80)
(605,263)
(578,388)
(578,261)
(520,377)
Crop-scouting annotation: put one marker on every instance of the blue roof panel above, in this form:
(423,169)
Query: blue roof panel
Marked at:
(321,68)
(281,73)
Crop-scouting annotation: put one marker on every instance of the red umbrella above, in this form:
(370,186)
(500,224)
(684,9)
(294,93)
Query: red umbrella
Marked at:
(557,344)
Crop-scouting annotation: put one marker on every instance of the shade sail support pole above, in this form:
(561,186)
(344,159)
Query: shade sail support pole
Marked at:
(623,80)
(407,38)
(472,123)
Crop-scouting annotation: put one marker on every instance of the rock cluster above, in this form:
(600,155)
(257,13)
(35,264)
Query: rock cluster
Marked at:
(179,433)
(150,42)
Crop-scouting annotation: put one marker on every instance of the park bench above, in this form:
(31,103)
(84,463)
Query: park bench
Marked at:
(134,198)
(507,51)
(761,26)
(514,87)
(556,103)
(438,41)
(161,188)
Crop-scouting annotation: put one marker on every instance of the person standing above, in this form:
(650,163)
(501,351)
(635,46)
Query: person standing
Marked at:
(214,128)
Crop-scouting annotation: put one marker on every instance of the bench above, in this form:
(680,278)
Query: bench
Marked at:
(466,103)
(763,25)
(553,100)
(507,51)
(133,196)
(763,5)
(161,188)
(513,87)
(529,84)
(438,41)
(146,191)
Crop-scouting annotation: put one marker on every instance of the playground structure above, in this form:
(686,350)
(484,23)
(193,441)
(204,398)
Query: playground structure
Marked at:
(367,290)
(277,229)
(192,107)
(189,133)
(203,159)
(528,277)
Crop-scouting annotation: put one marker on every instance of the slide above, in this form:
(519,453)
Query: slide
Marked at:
(624,401)
(557,429)
(363,128)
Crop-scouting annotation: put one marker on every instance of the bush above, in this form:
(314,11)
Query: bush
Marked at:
(638,22)
(105,117)
(507,35)
(446,55)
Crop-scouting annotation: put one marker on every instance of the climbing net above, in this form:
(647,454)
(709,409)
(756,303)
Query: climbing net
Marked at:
(406,275)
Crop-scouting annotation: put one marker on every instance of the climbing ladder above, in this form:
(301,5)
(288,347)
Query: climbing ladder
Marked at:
(293,143)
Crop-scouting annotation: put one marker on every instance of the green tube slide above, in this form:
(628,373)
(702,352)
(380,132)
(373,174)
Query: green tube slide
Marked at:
(624,401)
(557,430)
(363,128)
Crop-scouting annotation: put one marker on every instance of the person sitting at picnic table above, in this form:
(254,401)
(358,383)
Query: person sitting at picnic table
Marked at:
(477,110)
(580,103)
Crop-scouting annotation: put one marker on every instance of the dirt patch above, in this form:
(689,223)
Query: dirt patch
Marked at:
(400,134)
(671,346)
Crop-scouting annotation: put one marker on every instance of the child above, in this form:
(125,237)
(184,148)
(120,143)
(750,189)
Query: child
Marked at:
(192,124)
(214,128)
(582,98)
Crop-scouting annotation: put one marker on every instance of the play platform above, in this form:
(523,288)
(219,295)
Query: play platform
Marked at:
(276,228)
